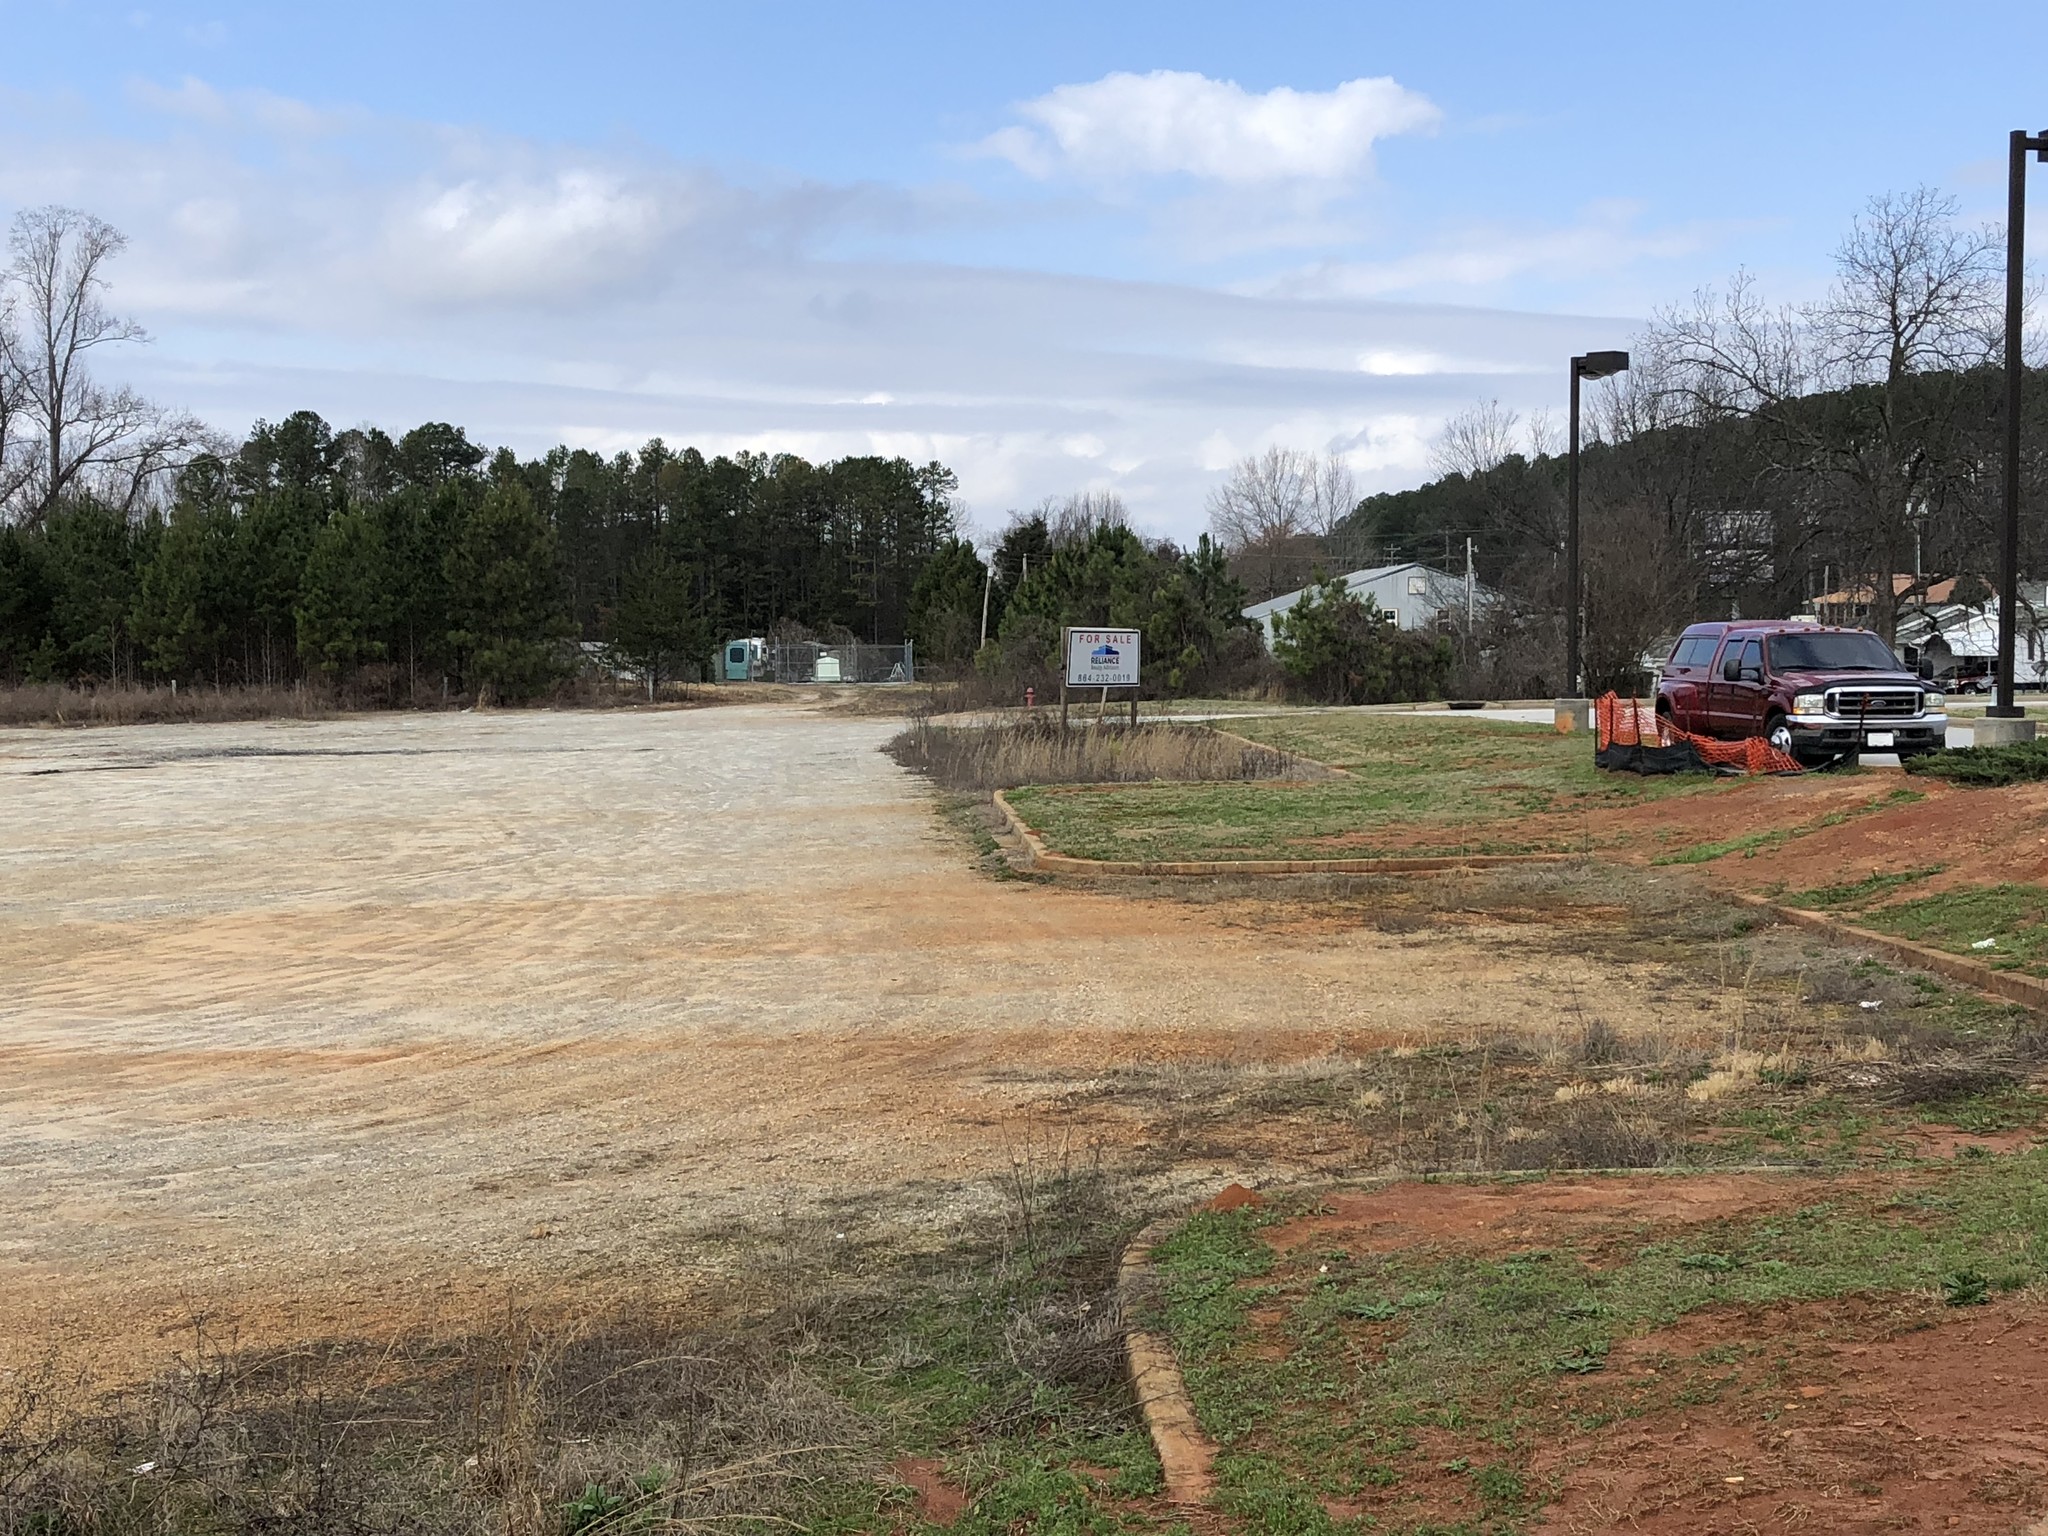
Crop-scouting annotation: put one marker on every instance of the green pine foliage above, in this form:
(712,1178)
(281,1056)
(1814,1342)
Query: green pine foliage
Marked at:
(658,628)
(340,555)
(1340,648)
(505,610)
(946,604)
(1188,606)
(347,596)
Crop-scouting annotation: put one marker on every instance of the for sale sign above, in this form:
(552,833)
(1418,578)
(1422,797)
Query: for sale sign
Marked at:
(1102,658)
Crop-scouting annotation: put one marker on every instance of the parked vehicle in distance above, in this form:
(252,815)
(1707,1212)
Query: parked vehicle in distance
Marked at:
(1815,692)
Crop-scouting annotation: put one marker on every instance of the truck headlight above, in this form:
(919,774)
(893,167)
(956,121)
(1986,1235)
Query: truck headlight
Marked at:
(1934,701)
(1809,703)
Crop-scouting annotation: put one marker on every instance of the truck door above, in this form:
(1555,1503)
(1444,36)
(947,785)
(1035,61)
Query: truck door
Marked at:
(1687,677)
(1739,699)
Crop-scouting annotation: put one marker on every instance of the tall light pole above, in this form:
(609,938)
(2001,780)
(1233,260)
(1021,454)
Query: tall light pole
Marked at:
(1593,365)
(2015,374)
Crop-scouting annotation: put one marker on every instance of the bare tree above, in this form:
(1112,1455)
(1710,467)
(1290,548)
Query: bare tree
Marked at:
(18,450)
(1914,308)
(1477,439)
(1275,511)
(87,436)
(1072,519)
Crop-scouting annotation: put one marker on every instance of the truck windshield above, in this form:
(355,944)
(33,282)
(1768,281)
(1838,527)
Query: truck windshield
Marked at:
(1856,651)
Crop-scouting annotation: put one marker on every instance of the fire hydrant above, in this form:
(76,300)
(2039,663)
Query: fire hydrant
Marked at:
(1030,698)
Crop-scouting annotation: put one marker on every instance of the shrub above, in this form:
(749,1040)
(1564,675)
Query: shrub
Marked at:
(2023,762)
(1340,648)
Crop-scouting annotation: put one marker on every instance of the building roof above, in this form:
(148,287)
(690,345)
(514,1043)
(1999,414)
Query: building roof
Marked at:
(1352,580)
(1937,592)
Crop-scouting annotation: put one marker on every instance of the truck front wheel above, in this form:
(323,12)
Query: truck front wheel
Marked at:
(1778,732)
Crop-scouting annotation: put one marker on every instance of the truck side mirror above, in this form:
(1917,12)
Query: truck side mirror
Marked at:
(1731,670)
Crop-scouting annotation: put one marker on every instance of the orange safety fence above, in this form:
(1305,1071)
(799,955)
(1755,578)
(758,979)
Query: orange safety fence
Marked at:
(1632,723)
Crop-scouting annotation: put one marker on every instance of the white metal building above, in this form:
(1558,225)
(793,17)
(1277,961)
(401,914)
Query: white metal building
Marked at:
(1417,595)
(1958,645)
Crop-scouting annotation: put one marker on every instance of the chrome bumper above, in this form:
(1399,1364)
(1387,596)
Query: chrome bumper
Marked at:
(1843,733)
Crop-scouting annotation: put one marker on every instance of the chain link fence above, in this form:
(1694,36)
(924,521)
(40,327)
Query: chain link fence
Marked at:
(811,662)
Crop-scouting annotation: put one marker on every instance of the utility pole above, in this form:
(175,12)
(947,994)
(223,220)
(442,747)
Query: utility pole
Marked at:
(1574,713)
(988,576)
(1468,584)
(2004,721)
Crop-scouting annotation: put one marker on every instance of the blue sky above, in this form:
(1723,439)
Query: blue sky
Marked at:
(1058,246)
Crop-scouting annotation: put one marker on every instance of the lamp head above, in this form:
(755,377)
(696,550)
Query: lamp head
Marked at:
(1598,365)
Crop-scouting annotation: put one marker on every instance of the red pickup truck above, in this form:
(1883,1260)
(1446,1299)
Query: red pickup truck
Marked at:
(1816,692)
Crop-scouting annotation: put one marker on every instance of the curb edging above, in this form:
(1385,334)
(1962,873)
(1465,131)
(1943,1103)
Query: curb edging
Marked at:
(1048,862)
(2010,985)
(1187,1456)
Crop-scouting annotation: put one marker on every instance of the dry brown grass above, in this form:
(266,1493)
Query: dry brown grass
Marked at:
(62,704)
(524,1426)
(1011,753)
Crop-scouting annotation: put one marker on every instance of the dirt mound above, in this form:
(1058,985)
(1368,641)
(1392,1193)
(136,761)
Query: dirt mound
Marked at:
(1979,835)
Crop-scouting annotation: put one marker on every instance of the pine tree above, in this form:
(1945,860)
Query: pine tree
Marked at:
(505,596)
(658,627)
(346,598)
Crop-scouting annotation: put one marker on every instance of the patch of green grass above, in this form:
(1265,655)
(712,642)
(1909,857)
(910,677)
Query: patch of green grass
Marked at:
(2013,916)
(1510,1356)
(2010,1108)
(1446,785)
(1854,895)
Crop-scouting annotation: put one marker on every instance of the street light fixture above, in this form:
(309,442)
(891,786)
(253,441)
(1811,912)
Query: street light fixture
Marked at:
(2015,373)
(1593,365)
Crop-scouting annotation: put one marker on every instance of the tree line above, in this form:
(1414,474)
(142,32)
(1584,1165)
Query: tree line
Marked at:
(1753,458)
(430,564)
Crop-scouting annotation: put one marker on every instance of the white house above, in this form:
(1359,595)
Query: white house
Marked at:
(1417,595)
(1958,645)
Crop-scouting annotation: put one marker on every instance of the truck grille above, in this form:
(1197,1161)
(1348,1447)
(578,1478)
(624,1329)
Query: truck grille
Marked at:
(1874,703)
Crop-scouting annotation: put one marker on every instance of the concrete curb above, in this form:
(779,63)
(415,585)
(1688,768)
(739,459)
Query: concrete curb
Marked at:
(1187,1456)
(2009,985)
(1330,768)
(1046,861)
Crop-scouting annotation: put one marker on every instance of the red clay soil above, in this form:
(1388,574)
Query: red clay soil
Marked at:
(1859,1414)
(1980,835)
(1235,1197)
(1491,1216)
(1860,1420)
(938,1501)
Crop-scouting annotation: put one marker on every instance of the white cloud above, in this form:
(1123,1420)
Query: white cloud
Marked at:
(1174,122)
(395,272)
(1607,238)
(522,236)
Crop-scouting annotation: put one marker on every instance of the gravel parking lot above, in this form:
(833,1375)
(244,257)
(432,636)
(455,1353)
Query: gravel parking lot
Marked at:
(332,1017)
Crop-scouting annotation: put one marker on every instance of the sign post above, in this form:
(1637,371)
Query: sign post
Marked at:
(1101,658)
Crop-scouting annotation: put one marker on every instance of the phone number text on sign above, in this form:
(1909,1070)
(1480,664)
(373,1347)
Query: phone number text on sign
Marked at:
(1102,658)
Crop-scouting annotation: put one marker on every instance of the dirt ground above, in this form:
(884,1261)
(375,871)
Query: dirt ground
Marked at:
(322,1024)
(1862,1414)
